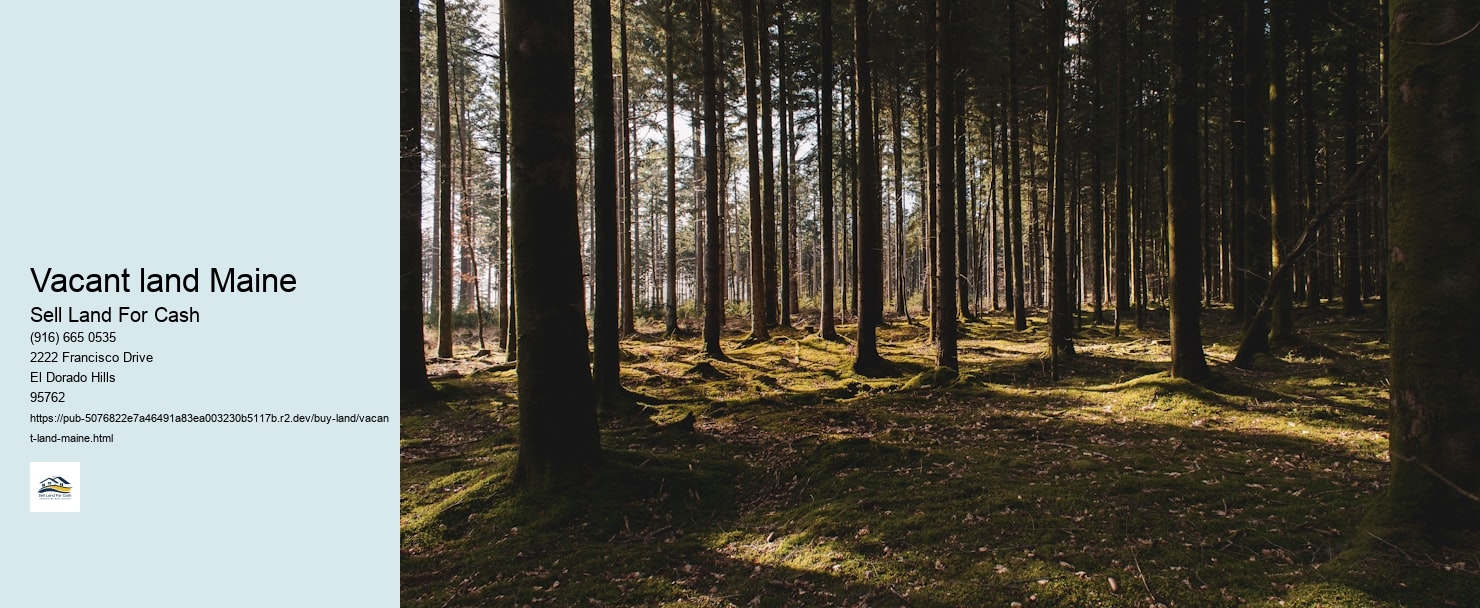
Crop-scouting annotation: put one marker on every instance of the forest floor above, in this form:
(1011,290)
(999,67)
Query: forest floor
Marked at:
(801,484)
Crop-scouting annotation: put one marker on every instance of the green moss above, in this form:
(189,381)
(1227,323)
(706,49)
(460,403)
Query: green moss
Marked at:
(802,484)
(935,378)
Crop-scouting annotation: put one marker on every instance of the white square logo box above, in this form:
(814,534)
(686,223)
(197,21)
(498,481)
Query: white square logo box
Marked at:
(56,487)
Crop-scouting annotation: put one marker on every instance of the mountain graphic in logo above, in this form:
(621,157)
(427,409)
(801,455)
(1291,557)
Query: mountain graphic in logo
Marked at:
(55,485)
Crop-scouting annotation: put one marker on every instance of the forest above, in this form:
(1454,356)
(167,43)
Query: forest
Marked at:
(939,303)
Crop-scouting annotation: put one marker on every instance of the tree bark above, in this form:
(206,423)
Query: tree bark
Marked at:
(758,297)
(870,238)
(604,320)
(825,173)
(786,290)
(945,221)
(1015,214)
(1061,319)
(504,271)
(897,120)
(963,222)
(1256,246)
(628,315)
(558,438)
(1184,207)
(670,291)
(714,276)
(768,165)
(444,190)
(1122,180)
(1351,242)
(1434,266)
(413,363)
(1281,192)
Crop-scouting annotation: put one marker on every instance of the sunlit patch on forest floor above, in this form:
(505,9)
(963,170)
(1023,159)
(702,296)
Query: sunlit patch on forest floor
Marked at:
(802,484)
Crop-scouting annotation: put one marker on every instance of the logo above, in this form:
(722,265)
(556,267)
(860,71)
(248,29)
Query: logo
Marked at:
(55,485)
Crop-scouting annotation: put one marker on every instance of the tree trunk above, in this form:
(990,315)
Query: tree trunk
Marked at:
(870,238)
(928,236)
(1351,243)
(786,288)
(768,166)
(1015,214)
(604,271)
(945,221)
(467,273)
(1005,168)
(696,126)
(1184,207)
(1061,321)
(714,276)
(1237,117)
(1097,192)
(558,438)
(901,292)
(758,299)
(1256,249)
(413,363)
(444,190)
(504,272)
(1122,181)
(628,277)
(670,291)
(1281,199)
(1433,279)
(963,224)
(825,173)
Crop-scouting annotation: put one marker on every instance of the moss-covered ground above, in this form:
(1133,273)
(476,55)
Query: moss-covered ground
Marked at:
(801,484)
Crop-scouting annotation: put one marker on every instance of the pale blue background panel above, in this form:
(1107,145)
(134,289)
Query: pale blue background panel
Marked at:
(172,136)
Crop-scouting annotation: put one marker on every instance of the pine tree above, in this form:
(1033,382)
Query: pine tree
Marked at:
(558,438)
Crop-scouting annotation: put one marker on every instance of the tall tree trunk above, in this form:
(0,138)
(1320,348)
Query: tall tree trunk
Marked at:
(1256,233)
(1184,207)
(945,221)
(758,298)
(1281,199)
(1308,142)
(628,234)
(825,172)
(413,363)
(604,321)
(1019,303)
(468,262)
(794,275)
(505,273)
(1434,271)
(901,293)
(1097,191)
(963,224)
(444,189)
(870,206)
(1061,319)
(931,200)
(1122,179)
(558,438)
(1351,243)
(466,267)
(670,291)
(1005,168)
(768,165)
(696,126)
(1238,116)
(714,276)
(784,251)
